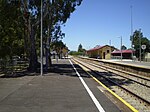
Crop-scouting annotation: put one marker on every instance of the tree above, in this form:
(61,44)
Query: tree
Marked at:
(136,38)
(55,13)
(81,51)
(58,47)
(80,48)
(75,53)
(20,23)
(11,30)
(123,47)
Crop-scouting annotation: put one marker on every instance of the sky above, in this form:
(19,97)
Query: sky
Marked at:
(103,22)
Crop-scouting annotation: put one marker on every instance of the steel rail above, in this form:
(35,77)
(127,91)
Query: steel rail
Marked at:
(125,72)
(147,103)
(118,74)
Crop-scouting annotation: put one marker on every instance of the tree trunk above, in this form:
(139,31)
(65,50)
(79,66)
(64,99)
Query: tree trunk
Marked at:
(47,48)
(48,54)
(48,42)
(46,58)
(26,41)
(33,55)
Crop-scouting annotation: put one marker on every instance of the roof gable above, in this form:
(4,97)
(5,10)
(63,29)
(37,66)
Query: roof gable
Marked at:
(123,51)
(97,47)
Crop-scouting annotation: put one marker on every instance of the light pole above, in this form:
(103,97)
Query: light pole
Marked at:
(140,43)
(41,38)
(120,46)
(110,48)
(131,33)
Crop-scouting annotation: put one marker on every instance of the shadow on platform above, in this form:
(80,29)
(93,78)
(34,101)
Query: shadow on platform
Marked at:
(67,70)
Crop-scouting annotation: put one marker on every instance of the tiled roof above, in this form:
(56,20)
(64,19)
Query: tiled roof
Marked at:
(123,51)
(96,48)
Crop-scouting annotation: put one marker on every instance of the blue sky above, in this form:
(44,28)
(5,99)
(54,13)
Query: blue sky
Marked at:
(96,22)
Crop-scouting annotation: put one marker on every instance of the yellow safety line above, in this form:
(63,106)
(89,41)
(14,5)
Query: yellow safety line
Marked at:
(122,100)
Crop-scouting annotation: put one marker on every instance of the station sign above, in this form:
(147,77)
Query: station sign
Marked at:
(143,47)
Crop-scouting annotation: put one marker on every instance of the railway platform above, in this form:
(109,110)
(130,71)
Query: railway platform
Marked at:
(66,88)
(141,64)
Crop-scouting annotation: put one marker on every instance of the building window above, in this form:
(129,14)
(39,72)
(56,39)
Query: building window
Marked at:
(107,51)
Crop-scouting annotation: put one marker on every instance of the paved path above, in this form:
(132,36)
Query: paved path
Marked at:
(58,91)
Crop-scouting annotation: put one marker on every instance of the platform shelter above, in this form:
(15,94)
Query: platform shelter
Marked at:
(126,54)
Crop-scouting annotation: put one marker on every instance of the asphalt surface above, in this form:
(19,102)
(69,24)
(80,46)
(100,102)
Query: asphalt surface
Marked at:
(58,91)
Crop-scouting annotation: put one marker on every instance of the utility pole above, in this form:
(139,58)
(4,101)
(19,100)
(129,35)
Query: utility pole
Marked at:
(121,48)
(110,42)
(41,38)
(110,48)
(131,33)
(140,43)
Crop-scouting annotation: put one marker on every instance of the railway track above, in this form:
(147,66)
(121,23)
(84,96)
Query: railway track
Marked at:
(145,81)
(133,89)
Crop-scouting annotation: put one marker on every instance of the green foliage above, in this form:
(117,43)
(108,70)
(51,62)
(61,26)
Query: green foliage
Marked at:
(80,51)
(80,48)
(11,33)
(123,47)
(136,38)
(74,53)
(20,25)
(58,46)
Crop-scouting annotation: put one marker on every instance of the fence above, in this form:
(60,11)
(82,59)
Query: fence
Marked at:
(11,66)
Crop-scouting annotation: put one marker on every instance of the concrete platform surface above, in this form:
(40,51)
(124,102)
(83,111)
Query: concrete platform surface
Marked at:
(58,91)
(131,62)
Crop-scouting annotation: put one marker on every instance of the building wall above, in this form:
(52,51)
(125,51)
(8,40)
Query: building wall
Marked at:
(106,52)
(93,54)
(102,53)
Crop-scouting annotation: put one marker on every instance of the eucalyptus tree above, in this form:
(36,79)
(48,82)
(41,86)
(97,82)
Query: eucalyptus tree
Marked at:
(58,47)
(20,26)
(55,14)
(80,48)
(11,32)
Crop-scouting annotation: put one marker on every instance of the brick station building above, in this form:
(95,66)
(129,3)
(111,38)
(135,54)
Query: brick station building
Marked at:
(101,52)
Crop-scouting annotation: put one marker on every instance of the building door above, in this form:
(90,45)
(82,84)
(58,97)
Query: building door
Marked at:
(103,55)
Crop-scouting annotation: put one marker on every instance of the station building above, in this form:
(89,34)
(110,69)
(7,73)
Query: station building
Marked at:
(126,54)
(101,52)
